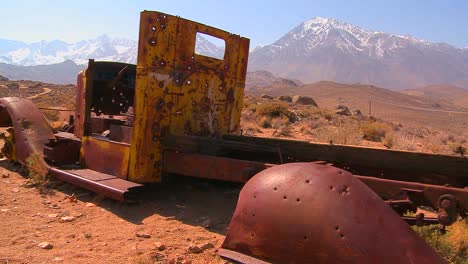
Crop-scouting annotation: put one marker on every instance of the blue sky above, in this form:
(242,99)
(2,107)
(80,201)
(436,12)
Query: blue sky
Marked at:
(262,21)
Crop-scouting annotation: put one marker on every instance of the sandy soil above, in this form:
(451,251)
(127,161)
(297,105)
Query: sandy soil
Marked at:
(177,214)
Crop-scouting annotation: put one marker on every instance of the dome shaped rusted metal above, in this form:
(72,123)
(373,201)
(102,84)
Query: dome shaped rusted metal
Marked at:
(309,213)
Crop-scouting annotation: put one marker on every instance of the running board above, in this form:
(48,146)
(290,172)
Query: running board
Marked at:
(101,183)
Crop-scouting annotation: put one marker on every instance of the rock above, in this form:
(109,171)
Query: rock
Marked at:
(342,110)
(304,100)
(90,205)
(266,96)
(143,235)
(357,112)
(6,176)
(12,86)
(72,198)
(3,78)
(77,215)
(158,256)
(15,190)
(180,260)
(205,222)
(52,215)
(57,259)
(195,249)
(207,246)
(160,246)
(285,98)
(4,210)
(67,219)
(45,245)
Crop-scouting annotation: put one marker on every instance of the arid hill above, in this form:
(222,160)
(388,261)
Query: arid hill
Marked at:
(449,94)
(382,103)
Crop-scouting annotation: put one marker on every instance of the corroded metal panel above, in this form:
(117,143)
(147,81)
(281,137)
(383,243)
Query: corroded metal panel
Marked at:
(106,185)
(309,213)
(30,128)
(105,156)
(180,92)
(211,167)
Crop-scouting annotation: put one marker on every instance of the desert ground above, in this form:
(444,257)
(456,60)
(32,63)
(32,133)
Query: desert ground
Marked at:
(184,220)
(180,221)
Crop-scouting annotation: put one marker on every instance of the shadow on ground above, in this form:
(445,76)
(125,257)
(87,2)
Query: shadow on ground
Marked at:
(197,202)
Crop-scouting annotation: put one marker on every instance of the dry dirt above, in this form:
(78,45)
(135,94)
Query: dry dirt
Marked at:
(178,214)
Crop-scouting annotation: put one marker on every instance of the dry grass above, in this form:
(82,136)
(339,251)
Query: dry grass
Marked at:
(453,245)
(346,134)
(311,123)
(37,169)
(375,131)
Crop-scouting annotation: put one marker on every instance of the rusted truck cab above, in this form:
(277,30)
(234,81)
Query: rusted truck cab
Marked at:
(124,111)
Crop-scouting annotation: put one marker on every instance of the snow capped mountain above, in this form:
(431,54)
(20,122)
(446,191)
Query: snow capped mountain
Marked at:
(100,48)
(207,48)
(318,49)
(328,49)
(57,51)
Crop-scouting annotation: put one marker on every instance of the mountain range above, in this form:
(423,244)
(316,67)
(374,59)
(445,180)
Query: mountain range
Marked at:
(328,49)
(101,48)
(317,49)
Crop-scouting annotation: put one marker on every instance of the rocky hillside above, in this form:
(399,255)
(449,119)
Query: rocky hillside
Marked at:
(60,73)
(298,117)
(437,111)
(258,79)
(445,93)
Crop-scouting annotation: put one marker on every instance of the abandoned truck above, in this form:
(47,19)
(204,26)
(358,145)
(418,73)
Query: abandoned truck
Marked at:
(178,112)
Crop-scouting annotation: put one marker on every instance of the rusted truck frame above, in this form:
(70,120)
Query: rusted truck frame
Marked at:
(178,112)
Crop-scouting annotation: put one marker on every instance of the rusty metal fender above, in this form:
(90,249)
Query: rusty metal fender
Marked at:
(31,129)
(310,213)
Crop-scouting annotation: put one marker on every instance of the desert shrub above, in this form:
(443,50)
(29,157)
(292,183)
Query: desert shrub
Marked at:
(375,131)
(304,113)
(453,245)
(51,115)
(325,113)
(457,148)
(276,109)
(347,134)
(12,86)
(282,127)
(248,124)
(265,122)
(250,104)
(389,140)
(314,123)
(272,109)
(450,138)
(432,147)
(403,141)
(37,170)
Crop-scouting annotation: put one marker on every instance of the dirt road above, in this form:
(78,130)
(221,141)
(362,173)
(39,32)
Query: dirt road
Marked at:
(45,91)
(177,217)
